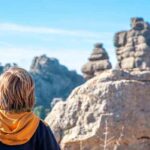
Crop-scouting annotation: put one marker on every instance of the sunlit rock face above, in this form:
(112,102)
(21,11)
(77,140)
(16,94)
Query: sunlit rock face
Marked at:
(133,46)
(52,79)
(98,62)
(117,100)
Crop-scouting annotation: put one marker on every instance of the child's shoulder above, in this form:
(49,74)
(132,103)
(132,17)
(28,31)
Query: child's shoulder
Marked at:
(43,126)
(44,130)
(44,122)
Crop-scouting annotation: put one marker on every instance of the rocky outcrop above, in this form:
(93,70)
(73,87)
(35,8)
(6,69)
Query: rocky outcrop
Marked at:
(52,80)
(133,46)
(110,111)
(6,67)
(98,62)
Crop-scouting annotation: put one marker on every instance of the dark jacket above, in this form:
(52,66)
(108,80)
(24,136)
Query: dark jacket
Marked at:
(43,139)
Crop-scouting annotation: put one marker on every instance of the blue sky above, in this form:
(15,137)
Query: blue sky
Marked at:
(65,29)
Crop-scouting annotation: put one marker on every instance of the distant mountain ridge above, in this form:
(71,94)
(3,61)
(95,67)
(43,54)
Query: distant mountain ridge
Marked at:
(52,80)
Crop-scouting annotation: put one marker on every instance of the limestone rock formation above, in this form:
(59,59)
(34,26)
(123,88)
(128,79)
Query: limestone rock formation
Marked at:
(98,62)
(133,46)
(52,80)
(115,102)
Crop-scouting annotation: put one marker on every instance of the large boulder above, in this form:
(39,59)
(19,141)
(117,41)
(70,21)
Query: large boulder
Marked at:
(52,80)
(111,111)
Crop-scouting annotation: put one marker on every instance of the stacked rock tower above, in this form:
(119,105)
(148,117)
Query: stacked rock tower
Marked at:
(98,62)
(133,46)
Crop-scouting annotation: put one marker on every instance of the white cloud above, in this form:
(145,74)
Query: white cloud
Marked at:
(47,30)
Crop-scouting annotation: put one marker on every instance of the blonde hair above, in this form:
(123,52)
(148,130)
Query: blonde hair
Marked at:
(16,90)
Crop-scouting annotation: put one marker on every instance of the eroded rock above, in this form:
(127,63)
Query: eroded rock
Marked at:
(133,46)
(116,99)
(98,62)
